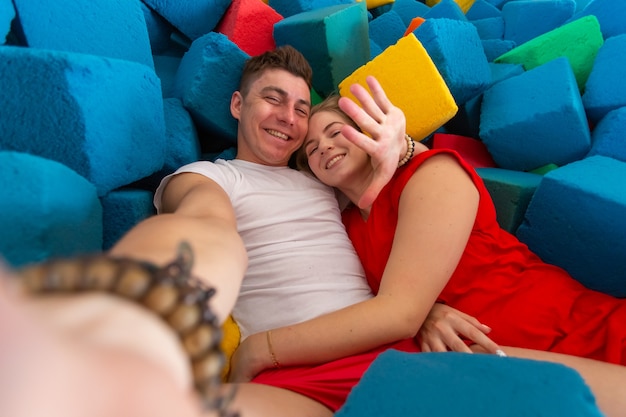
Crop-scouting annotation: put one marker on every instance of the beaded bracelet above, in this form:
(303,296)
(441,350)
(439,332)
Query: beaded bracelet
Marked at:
(169,291)
(410,143)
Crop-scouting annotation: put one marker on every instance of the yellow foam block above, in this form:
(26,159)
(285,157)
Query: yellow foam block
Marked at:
(463,4)
(230,341)
(372,4)
(412,82)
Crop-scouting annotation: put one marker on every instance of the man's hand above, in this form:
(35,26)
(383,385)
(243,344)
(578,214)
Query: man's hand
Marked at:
(386,126)
(444,326)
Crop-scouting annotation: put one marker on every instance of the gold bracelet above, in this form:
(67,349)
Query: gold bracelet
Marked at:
(271,349)
(410,143)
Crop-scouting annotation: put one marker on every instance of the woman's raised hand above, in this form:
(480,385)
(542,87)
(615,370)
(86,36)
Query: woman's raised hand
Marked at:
(385,125)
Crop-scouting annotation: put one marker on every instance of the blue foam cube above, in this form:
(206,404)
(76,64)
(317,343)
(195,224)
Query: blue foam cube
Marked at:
(575,221)
(387,29)
(535,118)
(102,117)
(610,13)
(606,86)
(48,210)
(470,385)
(193,18)
(527,19)
(122,210)
(608,137)
(7,14)
(206,78)
(457,52)
(110,28)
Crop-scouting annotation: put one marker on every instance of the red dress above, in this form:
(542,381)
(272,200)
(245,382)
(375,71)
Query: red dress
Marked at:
(525,301)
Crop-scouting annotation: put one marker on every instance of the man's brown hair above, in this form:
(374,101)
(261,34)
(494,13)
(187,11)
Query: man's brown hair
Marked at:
(284,57)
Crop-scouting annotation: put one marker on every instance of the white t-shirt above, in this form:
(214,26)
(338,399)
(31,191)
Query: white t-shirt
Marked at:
(301,261)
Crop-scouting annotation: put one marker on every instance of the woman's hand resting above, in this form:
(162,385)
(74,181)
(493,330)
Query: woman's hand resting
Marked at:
(445,329)
(247,361)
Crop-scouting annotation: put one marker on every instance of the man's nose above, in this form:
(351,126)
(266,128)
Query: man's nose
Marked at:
(288,115)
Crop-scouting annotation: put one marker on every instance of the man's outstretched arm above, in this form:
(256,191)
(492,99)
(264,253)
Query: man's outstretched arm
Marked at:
(195,210)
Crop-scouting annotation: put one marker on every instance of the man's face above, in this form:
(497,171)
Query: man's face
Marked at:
(273,117)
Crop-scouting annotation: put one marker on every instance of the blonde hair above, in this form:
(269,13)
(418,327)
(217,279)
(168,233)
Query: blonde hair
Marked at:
(329,104)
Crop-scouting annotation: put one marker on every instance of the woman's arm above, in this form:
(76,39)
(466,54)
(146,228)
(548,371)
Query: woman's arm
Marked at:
(437,211)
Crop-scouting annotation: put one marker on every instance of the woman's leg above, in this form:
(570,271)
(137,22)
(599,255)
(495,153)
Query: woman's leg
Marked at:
(257,400)
(607,381)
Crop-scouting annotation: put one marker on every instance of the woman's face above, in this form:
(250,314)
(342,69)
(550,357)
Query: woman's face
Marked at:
(332,158)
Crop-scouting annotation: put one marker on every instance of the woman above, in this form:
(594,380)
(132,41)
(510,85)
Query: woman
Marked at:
(432,234)
(492,275)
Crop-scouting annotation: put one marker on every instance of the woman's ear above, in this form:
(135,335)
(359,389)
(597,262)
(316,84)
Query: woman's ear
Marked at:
(235,104)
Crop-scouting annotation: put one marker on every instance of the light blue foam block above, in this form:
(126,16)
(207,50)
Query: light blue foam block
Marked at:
(386,29)
(495,47)
(527,19)
(7,13)
(469,385)
(102,117)
(122,210)
(535,118)
(110,28)
(47,209)
(206,78)
(160,31)
(335,41)
(610,13)
(193,18)
(182,144)
(608,137)
(482,9)
(446,9)
(490,27)
(457,52)
(576,220)
(409,9)
(606,86)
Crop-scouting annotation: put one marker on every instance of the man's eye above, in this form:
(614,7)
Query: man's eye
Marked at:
(303,112)
(272,99)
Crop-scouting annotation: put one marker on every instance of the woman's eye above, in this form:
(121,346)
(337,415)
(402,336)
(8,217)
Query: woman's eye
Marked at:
(335,133)
(312,150)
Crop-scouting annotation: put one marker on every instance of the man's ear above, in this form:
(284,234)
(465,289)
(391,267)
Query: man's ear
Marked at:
(235,104)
